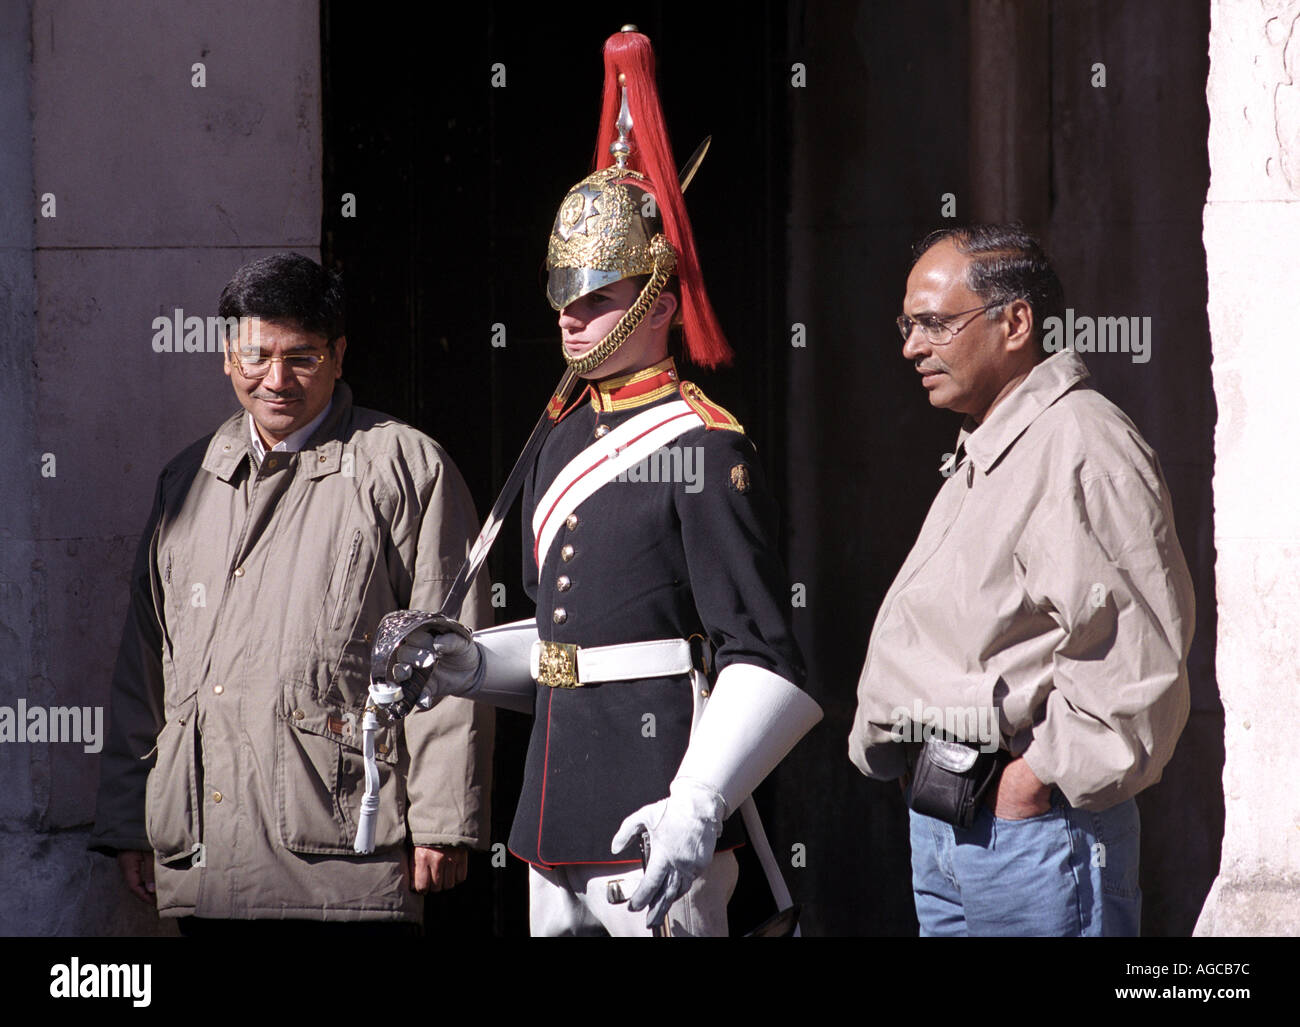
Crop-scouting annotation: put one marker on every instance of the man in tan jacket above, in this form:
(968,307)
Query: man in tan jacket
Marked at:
(1043,617)
(232,778)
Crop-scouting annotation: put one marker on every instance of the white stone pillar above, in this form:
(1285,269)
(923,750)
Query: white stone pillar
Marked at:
(1252,245)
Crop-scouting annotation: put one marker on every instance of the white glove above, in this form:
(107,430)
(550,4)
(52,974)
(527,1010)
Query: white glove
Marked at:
(446,663)
(683,831)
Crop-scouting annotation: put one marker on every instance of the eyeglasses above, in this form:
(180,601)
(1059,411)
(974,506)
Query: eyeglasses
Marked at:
(935,327)
(301,365)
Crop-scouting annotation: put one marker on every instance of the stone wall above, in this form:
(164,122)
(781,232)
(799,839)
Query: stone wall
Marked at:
(127,190)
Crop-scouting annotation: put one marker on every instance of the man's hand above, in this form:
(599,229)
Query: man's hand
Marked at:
(683,830)
(137,871)
(1020,794)
(439,867)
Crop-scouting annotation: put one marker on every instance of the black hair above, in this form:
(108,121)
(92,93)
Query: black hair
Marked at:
(286,287)
(1007,263)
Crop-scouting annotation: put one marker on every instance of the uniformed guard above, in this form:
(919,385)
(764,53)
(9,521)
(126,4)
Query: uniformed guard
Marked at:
(661,666)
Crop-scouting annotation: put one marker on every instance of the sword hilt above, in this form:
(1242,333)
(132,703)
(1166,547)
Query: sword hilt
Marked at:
(393,631)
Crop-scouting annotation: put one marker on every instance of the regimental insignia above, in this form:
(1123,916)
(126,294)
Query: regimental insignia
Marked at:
(740,479)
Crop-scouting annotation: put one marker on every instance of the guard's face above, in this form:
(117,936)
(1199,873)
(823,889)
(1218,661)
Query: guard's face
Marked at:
(969,372)
(588,319)
(287,398)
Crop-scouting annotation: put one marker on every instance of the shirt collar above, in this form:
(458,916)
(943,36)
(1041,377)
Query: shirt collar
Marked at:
(291,443)
(1049,380)
(636,389)
(233,441)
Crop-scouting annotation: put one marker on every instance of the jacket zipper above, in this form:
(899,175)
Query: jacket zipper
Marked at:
(347,580)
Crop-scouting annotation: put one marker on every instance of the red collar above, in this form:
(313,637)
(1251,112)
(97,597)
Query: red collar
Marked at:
(636,389)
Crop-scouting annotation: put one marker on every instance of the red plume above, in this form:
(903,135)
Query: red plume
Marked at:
(630,54)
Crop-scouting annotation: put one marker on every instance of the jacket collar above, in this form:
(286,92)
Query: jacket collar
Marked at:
(231,443)
(1046,383)
(636,389)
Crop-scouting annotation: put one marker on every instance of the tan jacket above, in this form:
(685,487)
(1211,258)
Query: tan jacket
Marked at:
(243,672)
(1046,597)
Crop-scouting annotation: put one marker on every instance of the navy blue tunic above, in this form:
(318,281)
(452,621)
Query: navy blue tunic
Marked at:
(643,560)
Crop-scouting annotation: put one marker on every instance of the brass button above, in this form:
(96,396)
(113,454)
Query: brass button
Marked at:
(322,458)
(216,796)
(704,693)
(559,616)
(218,689)
(602,430)
(571,521)
(563,583)
(239,572)
(672,376)
(566,553)
(298,714)
(226,448)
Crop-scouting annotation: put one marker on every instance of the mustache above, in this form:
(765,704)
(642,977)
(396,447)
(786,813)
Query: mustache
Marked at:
(921,365)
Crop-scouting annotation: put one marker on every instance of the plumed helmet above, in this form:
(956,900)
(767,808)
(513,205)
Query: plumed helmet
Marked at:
(627,218)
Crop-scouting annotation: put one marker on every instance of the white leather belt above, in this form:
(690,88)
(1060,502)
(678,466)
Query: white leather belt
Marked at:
(561,665)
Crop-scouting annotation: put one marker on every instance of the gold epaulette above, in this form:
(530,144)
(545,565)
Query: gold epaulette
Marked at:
(715,417)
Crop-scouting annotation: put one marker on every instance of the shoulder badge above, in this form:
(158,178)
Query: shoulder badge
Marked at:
(714,416)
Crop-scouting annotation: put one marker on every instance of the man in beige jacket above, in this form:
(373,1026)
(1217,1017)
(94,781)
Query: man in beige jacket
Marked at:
(1043,616)
(232,778)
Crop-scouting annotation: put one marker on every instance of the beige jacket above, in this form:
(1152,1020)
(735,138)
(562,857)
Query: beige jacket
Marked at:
(1046,598)
(243,672)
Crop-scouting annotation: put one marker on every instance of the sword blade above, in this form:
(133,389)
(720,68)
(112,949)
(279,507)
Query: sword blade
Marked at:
(514,482)
(693,163)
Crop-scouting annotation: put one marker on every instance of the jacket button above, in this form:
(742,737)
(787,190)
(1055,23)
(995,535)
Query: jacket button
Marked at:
(218,689)
(366,637)
(322,458)
(216,796)
(559,616)
(602,430)
(563,583)
(566,553)
(571,521)
(270,463)
(239,572)
(298,714)
(226,448)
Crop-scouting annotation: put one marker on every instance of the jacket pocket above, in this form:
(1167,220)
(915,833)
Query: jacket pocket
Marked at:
(173,810)
(320,780)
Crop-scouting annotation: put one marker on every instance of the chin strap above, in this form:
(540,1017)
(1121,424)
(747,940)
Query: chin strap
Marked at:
(665,265)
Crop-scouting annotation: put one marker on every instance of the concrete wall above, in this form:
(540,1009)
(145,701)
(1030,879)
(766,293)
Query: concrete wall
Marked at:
(161,189)
(1252,222)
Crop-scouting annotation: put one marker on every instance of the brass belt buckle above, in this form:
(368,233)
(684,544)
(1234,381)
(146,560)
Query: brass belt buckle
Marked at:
(558,665)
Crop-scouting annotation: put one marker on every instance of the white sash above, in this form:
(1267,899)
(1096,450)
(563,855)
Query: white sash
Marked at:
(602,461)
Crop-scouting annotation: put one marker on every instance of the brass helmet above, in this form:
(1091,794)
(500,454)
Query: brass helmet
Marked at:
(616,223)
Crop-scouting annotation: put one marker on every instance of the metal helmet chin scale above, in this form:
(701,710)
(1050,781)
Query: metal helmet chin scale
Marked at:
(628,219)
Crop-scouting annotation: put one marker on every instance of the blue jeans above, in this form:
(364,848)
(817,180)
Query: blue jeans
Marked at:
(1067,873)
